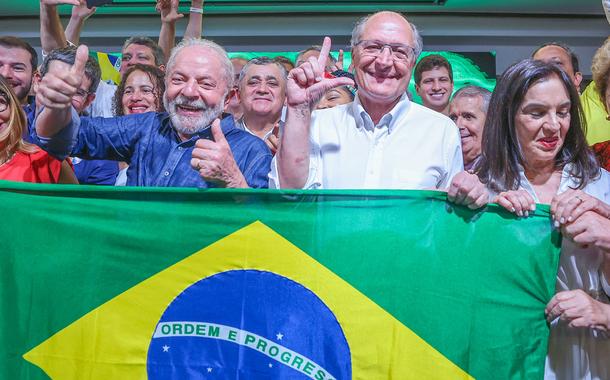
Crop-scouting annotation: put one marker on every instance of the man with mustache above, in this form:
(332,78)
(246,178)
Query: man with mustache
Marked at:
(162,148)
(262,92)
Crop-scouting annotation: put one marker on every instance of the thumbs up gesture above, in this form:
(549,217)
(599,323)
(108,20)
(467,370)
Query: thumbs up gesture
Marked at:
(214,160)
(57,87)
(307,83)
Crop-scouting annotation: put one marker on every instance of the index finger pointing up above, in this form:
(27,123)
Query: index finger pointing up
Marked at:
(323,57)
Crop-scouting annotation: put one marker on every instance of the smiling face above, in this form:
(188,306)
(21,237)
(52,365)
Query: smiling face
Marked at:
(435,88)
(542,122)
(5,111)
(195,89)
(140,94)
(467,113)
(16,68)
(262,90)
(382,78)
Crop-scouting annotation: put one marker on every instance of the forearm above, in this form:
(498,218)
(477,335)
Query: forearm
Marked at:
(194,28)
(51,31)
(74,29)
(293,154)
(167,37)
(50,122)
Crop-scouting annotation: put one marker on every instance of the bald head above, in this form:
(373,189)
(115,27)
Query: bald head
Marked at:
(391,23)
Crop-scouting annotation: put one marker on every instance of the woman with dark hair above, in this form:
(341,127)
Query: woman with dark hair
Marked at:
(140,91)
(534,151)
(20,161)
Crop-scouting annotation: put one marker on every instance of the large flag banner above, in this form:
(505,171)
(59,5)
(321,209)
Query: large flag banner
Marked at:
(108,283)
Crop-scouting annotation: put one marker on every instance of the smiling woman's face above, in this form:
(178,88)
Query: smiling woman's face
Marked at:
(140,94)
(542,122)
(5,111)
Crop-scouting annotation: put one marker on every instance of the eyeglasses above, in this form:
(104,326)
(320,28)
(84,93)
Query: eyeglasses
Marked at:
(400,52)
(3,103)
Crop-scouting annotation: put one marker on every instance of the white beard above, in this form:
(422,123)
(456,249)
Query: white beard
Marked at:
(189,125)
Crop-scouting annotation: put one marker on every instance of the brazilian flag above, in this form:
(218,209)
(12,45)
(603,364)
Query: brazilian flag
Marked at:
(159,283)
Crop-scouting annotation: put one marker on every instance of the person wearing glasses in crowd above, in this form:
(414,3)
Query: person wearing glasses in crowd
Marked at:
(381,140)
(19,160)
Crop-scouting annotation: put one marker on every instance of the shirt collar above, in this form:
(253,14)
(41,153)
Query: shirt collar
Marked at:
(389,120)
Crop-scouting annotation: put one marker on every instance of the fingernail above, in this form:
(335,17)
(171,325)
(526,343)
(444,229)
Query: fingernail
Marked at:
(569,218)
(512,209)
(562,220)
(527,213)
(556,224)
(520,213)
(533,207)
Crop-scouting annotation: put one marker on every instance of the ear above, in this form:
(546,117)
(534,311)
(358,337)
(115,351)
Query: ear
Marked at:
(232,92)
(577,80)
(417,88)
(162,68)
(36,81)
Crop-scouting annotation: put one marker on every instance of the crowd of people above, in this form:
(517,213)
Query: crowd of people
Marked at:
(188,116)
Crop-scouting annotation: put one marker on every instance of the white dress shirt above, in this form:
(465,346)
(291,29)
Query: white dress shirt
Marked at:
(412,147)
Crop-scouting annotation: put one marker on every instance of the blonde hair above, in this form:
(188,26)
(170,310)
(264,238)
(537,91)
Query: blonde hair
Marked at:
(601,70)
(11,138)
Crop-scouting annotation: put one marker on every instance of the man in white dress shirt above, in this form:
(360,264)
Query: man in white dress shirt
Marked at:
(381,140)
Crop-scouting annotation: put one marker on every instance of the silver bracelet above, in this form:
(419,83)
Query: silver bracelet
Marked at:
(196,10)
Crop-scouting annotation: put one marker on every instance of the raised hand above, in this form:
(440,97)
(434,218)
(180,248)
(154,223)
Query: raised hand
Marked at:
(81,11)
(519,202)
(57,87)
(579,309)
(307,83)
(168,10)
(214,160)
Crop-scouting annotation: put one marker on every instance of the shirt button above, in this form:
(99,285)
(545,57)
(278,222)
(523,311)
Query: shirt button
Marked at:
(180,148)
(166,174)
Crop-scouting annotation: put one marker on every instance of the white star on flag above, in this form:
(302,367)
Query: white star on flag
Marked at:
(165,348)
(270,365)
(209,369)
(279,336)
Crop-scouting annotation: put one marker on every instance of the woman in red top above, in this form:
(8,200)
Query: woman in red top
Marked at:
(20,161)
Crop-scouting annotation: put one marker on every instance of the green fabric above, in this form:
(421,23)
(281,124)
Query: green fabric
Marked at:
(472,284)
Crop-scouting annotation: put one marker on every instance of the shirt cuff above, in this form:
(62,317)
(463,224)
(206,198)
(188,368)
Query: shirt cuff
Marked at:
(61,144)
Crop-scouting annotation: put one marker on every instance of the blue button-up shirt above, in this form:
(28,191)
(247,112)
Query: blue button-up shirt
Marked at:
(152,148)
(30,113)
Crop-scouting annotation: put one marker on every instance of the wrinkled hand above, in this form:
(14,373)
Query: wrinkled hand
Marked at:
(214,160)
(466,189)
(307,83)
(57,87)
(571,204)
(60,2)
(519,202)
(579,309)
(589,228)
(81,12)
(168,10)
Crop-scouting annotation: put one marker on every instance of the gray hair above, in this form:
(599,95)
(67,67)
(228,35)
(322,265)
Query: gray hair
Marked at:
(149,43)
(222,54)
(359,28)
(473,92)
(68,55)
(262,61)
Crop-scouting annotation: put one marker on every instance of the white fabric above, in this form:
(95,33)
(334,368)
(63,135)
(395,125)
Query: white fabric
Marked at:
(241,124)
(104,98)
(578,353)
(412,147)
(121,178)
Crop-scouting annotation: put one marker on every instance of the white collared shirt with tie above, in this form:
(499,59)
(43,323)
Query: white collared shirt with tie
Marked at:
(412,147)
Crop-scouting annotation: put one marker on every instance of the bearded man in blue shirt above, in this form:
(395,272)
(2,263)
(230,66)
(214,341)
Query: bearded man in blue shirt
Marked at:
(192,145)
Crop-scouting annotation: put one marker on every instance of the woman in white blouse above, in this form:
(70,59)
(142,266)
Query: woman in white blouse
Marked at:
(534,151)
